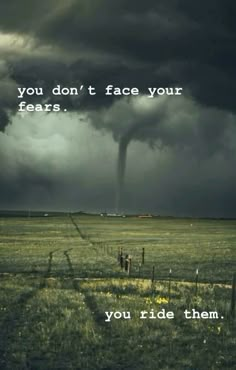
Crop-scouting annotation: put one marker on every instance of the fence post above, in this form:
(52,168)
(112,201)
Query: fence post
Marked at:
(143,255)
(169,285)
(233,295)
(153,274)
(120,252)
(196,282)
(129,265)
(121,259)
(126,262)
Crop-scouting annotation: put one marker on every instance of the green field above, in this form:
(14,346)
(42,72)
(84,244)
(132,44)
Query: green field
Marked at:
(59,275)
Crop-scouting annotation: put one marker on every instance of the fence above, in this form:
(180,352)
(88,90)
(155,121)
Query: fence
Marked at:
(122,262)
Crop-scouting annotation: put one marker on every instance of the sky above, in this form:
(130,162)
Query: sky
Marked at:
(169,155)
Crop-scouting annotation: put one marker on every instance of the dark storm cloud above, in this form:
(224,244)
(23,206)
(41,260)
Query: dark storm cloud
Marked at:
(174,42)
(160,42)
(167,121)
(194,43)
(7,95)
(125,43)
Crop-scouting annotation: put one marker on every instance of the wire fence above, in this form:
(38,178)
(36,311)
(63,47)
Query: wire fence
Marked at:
(100,259)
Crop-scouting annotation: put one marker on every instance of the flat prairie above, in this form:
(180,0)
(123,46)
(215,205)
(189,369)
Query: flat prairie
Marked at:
(59,276)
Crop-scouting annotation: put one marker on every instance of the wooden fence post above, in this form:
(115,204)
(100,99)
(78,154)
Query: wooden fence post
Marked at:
(120,253)
(169,285)
(126,262)
(121,259)
(129,265)
(143,256)
(233,296)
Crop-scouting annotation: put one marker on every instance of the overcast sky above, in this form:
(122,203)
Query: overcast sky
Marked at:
(180,149)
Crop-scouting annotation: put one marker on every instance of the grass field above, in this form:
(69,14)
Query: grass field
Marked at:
(59,276)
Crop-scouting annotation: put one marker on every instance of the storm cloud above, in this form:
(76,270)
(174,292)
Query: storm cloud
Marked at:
(187,141)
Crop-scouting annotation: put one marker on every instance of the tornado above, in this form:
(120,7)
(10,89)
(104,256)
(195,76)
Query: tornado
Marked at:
(121,164)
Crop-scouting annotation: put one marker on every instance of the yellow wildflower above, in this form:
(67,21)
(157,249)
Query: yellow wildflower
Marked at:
(161,300)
